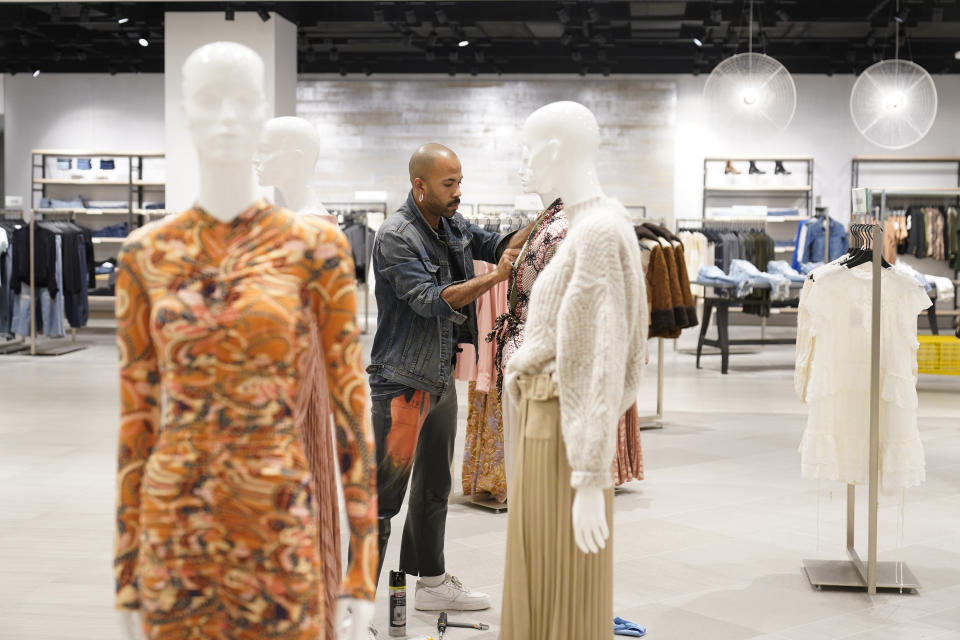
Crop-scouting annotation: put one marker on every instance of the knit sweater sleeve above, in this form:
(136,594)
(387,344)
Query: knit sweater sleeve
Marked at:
(592,328)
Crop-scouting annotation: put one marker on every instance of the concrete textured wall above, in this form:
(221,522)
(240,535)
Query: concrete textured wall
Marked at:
(371,126)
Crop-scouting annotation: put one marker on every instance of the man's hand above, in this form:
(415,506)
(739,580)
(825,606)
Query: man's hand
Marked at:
(505,266)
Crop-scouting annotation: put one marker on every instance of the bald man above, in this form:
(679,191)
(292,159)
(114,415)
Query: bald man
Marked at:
(425,286)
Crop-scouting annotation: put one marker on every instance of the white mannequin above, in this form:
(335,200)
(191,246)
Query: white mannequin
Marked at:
(287,160)
(557,164)
(226,109)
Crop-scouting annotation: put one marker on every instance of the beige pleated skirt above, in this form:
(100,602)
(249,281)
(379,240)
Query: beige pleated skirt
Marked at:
(552,590)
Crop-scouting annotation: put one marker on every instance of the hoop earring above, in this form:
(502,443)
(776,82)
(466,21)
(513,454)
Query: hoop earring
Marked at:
(421,196)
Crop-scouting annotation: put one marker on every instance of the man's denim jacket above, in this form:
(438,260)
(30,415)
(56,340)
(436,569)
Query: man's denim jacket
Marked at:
(416,328)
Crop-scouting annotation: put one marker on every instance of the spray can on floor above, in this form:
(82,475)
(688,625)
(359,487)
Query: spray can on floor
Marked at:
(398,604)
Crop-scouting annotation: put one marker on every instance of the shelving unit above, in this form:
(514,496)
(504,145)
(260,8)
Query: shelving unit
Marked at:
(136,184)
(935,192)
(772,196)
(134,190)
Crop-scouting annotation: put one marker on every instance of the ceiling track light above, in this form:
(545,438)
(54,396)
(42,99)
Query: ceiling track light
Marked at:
(576,56)
(431,55)
(378,15)
(123,20)
(474,71)
(563,16)
(343,71)
(451,71)
(583,71)
(593,14)
(463,43)
(334,54)
(36,73)
(441,16)
(566,39)
(142,41)
(264,14)
(454,56)
(229,15)
(698,42)
(411,17)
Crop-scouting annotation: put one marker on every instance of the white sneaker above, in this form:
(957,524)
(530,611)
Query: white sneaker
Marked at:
(451,595)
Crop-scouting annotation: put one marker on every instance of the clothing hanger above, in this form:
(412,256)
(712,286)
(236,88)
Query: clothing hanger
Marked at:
(866,254)
(661,231)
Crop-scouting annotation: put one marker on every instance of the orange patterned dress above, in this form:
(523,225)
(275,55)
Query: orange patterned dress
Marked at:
(218,325)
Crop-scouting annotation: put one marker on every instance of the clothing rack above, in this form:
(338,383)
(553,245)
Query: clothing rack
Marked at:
(15,344)
(54,350)
(854,573)
(360,212)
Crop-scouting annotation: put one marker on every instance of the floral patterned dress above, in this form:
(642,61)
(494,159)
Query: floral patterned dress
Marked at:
(219,325)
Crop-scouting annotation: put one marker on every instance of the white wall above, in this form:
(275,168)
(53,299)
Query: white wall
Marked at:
(371,126)
(276,43)
(86,111)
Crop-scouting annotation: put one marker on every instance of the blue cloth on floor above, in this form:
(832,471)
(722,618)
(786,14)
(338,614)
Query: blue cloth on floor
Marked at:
(623,627)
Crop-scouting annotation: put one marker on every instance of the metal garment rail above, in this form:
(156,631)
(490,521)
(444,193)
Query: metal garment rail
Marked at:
(854,573)
(656,420)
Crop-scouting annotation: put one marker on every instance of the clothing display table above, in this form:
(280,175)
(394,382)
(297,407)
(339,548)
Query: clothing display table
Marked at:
(720,297)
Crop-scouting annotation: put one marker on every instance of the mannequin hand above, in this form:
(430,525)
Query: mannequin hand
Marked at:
(353,618)
(130,625)
(590,529)
(505,266)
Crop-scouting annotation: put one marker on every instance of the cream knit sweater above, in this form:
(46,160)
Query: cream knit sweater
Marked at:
(587,325)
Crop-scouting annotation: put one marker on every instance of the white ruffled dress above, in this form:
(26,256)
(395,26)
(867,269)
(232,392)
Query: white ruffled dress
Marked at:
(833,376)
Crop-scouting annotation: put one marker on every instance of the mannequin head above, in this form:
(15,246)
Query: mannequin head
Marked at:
(224,102)
(560,143)
(435,175)
(289,148)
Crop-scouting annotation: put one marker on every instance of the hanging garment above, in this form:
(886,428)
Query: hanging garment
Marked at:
(628,464)
(680,317)
(938,234)
(549,231)
(833,375)
(483,470)
(953,234)
(683,279)
(217,511)
(663,323)
(551,589)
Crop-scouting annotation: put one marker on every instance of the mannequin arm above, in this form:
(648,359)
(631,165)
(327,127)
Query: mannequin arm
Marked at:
(353,618)
(332,288)
(139,418)
(590,529)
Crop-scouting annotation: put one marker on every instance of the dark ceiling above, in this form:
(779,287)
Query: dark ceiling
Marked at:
(602,37)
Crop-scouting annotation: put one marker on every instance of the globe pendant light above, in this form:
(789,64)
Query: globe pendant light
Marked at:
(750,91)
(894,102)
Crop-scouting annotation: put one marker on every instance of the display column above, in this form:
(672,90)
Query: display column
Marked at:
(274,40)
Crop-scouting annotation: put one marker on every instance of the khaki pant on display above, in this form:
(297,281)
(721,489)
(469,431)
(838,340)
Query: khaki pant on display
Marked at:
(552,590)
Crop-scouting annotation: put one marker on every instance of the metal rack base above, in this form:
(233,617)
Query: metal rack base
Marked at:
(846,574)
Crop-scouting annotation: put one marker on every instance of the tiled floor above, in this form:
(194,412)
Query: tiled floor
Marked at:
(709,545)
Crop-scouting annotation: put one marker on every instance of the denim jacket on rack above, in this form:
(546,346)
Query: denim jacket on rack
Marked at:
(813,246)
(417,330)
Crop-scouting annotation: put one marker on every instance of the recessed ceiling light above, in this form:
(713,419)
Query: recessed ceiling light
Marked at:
(144,42)
(698,42)
(123,20)
(464,43)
